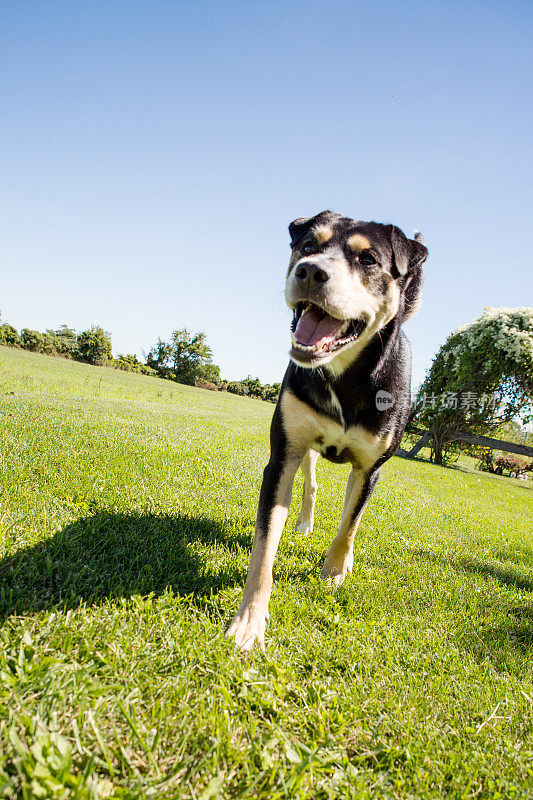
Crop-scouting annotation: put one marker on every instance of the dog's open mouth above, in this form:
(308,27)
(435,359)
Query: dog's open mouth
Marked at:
(316,334)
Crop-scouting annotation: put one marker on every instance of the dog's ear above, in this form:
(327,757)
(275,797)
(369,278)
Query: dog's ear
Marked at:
(408,255)
(301,225)
(297,229)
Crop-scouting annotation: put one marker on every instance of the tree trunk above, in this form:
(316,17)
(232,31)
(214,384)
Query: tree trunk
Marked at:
(439,439)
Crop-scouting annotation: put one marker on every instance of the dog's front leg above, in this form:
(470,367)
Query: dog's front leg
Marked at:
(339,558)
(249,623)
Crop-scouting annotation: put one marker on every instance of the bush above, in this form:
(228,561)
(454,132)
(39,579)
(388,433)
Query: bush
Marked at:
(252,387)
(32,340)
(271,392)
(206,385)
(65,341)
(209,373)
(237,387)
(511,463)
(9,335)
(95,346)
(130,363)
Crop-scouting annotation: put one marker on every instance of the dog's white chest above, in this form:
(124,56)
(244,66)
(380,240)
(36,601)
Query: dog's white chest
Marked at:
(339,444)
(307,428)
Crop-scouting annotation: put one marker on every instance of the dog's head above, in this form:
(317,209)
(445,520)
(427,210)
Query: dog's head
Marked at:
(346,280)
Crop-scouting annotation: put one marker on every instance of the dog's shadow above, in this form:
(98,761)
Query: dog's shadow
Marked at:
(117,555)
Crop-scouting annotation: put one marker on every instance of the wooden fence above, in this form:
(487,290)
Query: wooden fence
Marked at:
(483,441)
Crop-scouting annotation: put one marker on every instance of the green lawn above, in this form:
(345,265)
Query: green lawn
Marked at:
(126,518)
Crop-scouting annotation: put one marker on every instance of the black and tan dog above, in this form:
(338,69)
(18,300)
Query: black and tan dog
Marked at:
(346,392)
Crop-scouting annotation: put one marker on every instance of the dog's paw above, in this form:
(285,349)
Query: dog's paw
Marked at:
(334,577)
(336,567)
(303,525)
(248,627)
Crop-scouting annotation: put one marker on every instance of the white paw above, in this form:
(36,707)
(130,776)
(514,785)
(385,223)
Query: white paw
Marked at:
(303,525)
(248,626)
(336,567)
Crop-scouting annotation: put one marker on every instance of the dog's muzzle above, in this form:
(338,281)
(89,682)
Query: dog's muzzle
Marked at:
(317,335)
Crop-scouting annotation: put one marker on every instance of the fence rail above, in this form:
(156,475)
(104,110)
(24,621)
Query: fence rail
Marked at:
(470,438)
(494,444)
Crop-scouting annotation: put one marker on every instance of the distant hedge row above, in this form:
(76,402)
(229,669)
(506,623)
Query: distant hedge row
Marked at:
(186,358)
(92,346)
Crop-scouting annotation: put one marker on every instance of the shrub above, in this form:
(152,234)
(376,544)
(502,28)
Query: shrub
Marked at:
(209,373)
(65,341)
(95,346)
(511,463)
(237,387)
(130,363)
(9,335)
(252,387)
(32,340)
(271,392)
(206,385)
(50,343)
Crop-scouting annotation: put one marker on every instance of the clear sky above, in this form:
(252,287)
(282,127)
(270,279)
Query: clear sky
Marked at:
(153,154)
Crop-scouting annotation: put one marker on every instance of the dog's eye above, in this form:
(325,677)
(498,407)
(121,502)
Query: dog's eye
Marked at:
(309,248)
(367,259)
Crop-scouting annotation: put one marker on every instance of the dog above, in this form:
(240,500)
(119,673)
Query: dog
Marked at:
(346,392)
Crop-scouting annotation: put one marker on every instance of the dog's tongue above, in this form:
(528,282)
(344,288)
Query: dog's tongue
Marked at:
(315,325)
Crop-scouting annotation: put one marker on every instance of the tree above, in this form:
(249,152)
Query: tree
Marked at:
(66,341)
(513,431)
(159,359)
(184,358)
(95,346)
(189,354)
(481,378)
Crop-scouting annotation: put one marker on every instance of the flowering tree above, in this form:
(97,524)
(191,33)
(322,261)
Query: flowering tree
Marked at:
(481,377)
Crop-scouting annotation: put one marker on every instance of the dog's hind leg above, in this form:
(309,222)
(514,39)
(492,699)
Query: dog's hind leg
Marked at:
(339,558)
(307,514)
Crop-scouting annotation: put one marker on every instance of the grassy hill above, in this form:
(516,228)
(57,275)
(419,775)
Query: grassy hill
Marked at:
(126,517)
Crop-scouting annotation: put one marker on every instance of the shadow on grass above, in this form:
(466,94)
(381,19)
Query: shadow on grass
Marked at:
(508,575)
(513,633)
(117,555)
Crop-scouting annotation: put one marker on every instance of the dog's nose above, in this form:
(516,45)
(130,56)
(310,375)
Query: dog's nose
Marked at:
(312,271)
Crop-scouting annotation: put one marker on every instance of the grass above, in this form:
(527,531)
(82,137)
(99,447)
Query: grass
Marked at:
(126,517)
(462,461)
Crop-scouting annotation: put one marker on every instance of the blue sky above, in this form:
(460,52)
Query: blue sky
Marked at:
(153,154)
